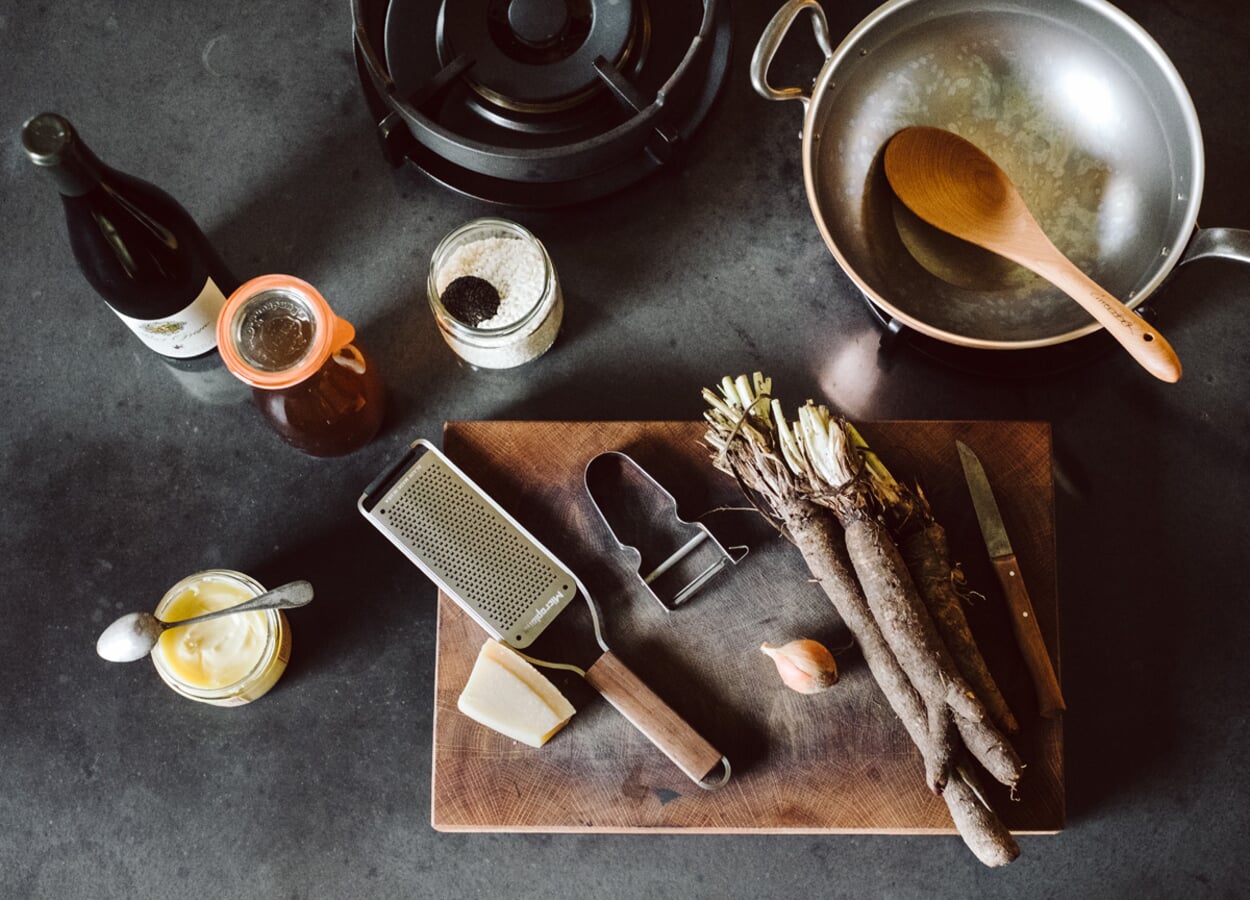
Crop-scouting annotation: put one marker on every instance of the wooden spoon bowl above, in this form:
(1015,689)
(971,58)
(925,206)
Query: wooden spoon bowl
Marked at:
(949,183)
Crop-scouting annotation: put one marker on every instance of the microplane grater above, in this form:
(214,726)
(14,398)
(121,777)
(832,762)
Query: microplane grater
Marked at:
(513,587)
(468,545)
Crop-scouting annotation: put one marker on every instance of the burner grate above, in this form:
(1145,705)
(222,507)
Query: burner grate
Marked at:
(544,114)
(533,56)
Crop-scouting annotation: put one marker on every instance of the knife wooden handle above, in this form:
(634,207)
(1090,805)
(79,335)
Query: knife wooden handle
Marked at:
(656,719)
(1029,636)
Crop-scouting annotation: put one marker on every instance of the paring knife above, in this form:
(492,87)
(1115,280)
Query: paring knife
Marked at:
(1003,558)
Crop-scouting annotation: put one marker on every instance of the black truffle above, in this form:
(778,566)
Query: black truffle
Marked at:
(470,299)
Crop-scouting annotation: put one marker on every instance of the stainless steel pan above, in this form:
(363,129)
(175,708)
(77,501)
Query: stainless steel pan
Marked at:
(1071,97)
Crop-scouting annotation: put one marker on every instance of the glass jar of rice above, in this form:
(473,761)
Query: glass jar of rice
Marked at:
(495,294)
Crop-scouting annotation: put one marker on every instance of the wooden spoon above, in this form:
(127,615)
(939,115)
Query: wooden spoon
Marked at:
(952,185)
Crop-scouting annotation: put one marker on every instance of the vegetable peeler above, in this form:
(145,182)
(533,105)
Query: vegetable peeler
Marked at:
(675,557)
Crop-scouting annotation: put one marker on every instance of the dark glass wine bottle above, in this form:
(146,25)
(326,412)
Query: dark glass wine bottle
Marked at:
(140,250)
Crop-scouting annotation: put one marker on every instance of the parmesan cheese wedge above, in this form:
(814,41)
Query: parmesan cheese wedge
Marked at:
(507,694)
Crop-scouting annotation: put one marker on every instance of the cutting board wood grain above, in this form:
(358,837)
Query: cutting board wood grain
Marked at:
(834,762)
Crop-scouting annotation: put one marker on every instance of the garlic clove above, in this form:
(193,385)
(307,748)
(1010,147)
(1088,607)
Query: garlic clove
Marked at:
(804,665)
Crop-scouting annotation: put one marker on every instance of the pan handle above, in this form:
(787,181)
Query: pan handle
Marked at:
(1228,243)
(771,40)
(657,720)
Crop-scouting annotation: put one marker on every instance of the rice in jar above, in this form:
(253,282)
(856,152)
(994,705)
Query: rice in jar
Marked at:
(494,257)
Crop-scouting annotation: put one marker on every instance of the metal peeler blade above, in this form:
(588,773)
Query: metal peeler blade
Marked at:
(676,557)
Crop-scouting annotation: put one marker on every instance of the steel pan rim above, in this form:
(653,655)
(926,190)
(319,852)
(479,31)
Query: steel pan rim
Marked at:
(1184,231)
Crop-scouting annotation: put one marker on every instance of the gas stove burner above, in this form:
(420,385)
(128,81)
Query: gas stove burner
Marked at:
(538,55)
(539,102)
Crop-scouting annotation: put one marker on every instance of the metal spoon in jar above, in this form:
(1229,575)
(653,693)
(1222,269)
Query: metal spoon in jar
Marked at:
(135,634)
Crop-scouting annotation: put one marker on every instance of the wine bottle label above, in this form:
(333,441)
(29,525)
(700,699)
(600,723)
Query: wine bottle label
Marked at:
(187,333)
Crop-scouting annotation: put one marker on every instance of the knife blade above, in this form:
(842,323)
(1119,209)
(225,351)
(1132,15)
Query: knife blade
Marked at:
(1003,558)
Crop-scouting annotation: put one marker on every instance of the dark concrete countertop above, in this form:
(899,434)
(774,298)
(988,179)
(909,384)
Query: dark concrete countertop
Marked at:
(117,482)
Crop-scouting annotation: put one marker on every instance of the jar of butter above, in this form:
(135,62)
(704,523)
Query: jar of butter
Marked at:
(226,661)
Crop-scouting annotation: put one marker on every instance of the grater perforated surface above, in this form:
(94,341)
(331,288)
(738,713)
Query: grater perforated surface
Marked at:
(474,550)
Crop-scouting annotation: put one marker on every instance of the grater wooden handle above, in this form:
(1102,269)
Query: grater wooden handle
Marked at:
(656,719)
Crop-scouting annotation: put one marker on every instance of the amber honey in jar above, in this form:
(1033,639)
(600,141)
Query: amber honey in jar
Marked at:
(309,379)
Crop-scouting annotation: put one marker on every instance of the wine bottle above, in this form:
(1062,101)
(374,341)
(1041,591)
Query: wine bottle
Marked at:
(139,249)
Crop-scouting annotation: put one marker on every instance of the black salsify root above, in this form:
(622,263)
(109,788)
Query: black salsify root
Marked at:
(757,468)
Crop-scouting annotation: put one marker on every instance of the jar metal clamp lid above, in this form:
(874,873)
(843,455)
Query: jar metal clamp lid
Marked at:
(277,330)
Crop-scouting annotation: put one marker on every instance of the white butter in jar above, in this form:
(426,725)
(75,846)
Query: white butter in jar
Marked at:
(226,661)
(516,266)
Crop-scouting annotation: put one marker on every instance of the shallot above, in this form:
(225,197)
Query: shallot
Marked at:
(804,665)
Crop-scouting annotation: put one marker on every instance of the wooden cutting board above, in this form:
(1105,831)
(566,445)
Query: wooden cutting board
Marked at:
(834,762)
